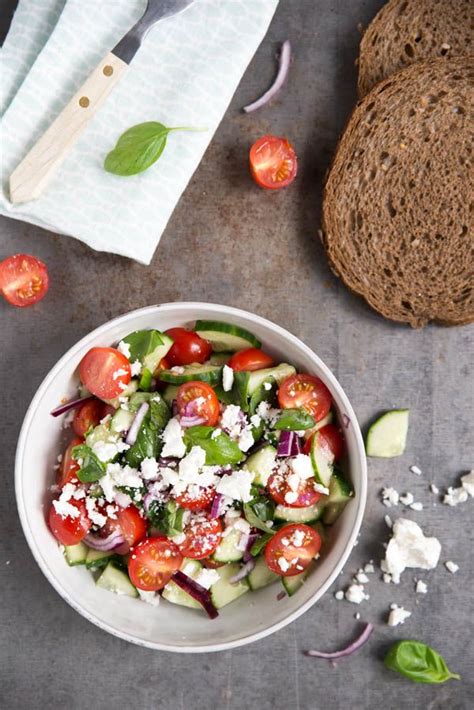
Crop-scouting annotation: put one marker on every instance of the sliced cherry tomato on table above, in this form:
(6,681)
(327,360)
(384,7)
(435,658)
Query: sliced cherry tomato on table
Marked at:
(200,501)
(105,372)
(203,535)
(278,488)
(188,347)
(273,162)
(87,417)
(24,280)
(152,563)
(132,526)
(305,392)
(250,360)
(333,438)
(69,466)
(291,549)
(198,399)
(70,530)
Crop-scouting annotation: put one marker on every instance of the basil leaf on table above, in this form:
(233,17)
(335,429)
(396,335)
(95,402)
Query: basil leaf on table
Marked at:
(418,662)
(219,451)
(167,519)
(260,544)
(92,469)
(295,420)
(141,343)
(139,147)
(148,443)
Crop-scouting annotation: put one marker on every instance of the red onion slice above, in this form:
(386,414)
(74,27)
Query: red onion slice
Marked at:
(345,420)
(216,506)
(243,572)
(72,404)
(104,544)
(348,650)
(281,595)
(136,424)
(196,591)
(284,65)
(195,420)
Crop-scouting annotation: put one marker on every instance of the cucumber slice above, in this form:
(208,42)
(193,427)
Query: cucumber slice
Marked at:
(101,432)
(340,493)
(170,394)
(322,459)
(262,463)
(138,398)
(279,373)
(75,554)
(319,425)
(261,576)
(175,594)
(226,336)
(223,592)
(205,373)
(127,392)
(145,380)
(220,358)
(300,515)
(387,436)
(121,421)
(96,558)
(227,550)
(116,580)
(296,581)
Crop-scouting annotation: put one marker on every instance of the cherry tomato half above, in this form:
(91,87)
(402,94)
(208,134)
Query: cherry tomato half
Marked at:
(200,501)
(24,280)
(278,488)
(187,347)
(333,438)
(291,549)
(70,530)
(87,417)
(69,467)
(105,372)
(152,563)
(249,360)
(273,162)
(203,535)
(198,399)
(306,392)
(132,526)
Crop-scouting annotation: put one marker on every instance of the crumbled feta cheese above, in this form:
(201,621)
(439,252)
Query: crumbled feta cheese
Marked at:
(246,440)
(388,521)
(149,469)
(94,516)
(416,506)
(207,577)
(109,449)
(361,577)
(179,539)
(149,597)
(451,566)
(434,488)
(122,386)
(416,470)
(227,378)
(339,595)
(454,496)
(387,578)
(236,485)
(124,348)
(68,419)
(421,587)
(390,497)
(397,615)
(267,386)
(369,568)
(467,482)
(302,467)
(407,498)
(136,368)
(178,370)
(173,440)
(283,564)
(119,373)
(357,615)
(255,420)
(111,511)
(355,594)
(291,497)
(123,500)
(267,413)
(298,538)
(408,547)
(65,509)
(124,476)
(232,420)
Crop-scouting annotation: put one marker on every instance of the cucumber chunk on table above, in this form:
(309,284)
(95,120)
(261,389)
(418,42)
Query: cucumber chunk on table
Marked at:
(387,436)
(226,336)
(340,493)
(116,580)
(75,554)
(223,592)
(261,575)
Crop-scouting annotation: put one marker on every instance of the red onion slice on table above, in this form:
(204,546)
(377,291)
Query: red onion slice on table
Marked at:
(136,424)
(348,650)
(284,65)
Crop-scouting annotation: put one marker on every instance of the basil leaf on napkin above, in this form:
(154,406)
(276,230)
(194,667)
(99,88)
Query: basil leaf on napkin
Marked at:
(139,147)
(418,662)
(219,451)
(91,467)
(295,420)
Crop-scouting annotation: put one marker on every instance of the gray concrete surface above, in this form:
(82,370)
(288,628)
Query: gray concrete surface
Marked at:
(228,242)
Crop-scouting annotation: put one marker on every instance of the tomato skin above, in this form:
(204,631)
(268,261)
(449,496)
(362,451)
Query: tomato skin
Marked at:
(69,467)
(250,360)
(152,563)
(131,524)
(199,502)
(97,369)
(273,162)
(87,417)
(68,530)
(306,392)
(198,399)
(24,280)
(333,437)
(299,556)
(188,347)
(278,487)
(202,538)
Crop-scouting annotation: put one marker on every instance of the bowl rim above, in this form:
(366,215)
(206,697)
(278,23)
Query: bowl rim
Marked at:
(21,447)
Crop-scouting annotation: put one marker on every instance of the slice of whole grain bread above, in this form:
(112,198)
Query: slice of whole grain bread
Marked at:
(409,31)
(397,211)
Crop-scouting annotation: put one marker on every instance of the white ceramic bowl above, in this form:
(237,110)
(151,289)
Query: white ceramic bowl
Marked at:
(168,627)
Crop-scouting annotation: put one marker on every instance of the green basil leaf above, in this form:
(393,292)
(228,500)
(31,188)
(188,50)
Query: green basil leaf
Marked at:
(240,389)
(136,494)
(261,394)
(142,343)
(145,380)
(418,662)
(258,511)
(219,451)
(260,544)
(92,469)
(167,519)
(148,443)
(295,420)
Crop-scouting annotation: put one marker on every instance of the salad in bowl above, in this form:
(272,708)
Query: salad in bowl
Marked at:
(199,468)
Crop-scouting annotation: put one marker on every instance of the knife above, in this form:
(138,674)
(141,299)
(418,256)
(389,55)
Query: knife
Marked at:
(35,171)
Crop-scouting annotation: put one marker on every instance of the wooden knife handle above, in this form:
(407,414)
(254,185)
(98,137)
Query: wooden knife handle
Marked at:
(33,174)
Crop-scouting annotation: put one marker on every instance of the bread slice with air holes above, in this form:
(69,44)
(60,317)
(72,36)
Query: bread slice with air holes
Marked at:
(409,31)
(397,210)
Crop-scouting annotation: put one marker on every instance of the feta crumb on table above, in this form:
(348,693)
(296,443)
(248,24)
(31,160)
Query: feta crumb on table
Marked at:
(355,594)
(408,547)
(388,521)
(467,482)
(451,566)
(407,498)
(398,615)
(339,595)
(415,470)
(434,488)
(454,496)
(421,587)
(390,497)
(416,506)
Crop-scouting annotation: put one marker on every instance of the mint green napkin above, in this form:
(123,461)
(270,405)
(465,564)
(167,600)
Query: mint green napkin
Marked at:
(184,74)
